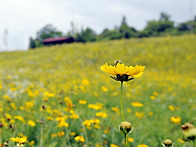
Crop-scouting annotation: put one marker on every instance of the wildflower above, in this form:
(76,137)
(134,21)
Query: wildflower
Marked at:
(82,102)
(85,82)
(176,119)
(104,89)
(142,145)
(31,123)
(48,94)
(189,131)
(101,114)
(129,110)
(137,104)
(152,97)
(171,108)
(61,134)
(53,135)
(125,127)
(122,72)
(115,109)
(150,113)
(89,123)
(113,145)
(180,140)
(73,133)
(106,131)
(97,106)
(20,118)
(73,115)
(167,143)
(139,114)
(155,93)
(21,141)
(13,106)
(31,143)
(79,139)
(130,139)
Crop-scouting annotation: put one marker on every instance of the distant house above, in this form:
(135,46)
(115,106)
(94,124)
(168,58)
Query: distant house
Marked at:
(60,40)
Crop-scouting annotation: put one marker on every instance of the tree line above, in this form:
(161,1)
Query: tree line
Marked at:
(163,26)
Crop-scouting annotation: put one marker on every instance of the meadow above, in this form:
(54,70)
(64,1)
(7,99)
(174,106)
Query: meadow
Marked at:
(58,96)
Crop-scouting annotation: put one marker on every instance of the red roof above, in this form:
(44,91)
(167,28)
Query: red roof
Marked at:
(55,39)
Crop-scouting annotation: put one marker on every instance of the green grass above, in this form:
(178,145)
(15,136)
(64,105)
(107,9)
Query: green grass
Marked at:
(170,72)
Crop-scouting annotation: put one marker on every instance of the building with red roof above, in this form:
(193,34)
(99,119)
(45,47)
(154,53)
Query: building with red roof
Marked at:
(60,40)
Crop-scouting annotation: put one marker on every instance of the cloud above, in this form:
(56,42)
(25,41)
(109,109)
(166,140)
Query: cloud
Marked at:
(23,18)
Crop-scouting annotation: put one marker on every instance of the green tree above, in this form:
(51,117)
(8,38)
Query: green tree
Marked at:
(32,43)
(48,31)
(156,28)
(125,30)
(109,34)
(87,35)
(164,16)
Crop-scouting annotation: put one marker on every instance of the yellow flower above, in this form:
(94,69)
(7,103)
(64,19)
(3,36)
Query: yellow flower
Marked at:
(123,72)
(73,133)
(101,114)
(130,139)
(79,139)
(85,82)
(152,97)
(82,102)
(96,106)
(19,140)
(31,123)
(139,114)
(142,145)
(176,119)
(113,145)
(31,143)
(61,134)
(180,140)
(189,131)
(53,135)
(104,89)
(20,118)
(137,104)
(115,109)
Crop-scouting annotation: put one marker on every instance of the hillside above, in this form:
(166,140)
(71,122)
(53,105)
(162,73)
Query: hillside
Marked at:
(48,76)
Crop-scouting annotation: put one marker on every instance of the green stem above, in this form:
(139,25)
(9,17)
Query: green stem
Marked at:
(85,133)
(0,136)
(194,143)
(121,105)
(125,140)
(41,140)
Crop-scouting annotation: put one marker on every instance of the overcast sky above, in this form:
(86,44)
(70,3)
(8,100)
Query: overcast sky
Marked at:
(23,18)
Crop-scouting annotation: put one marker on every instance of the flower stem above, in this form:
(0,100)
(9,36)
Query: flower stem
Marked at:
(121,105)
(41,139)
(194,143)
(125,140)
(85,133)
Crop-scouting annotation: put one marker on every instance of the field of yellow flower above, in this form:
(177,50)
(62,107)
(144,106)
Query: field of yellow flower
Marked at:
(58,96)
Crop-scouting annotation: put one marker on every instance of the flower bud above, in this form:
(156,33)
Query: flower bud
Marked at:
(189,131)
(125,127)
(167,143)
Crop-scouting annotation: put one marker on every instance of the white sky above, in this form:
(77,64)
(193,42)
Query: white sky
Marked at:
(23,18)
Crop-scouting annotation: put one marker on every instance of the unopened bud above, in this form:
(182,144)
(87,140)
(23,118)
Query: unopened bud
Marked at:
(125,127)
(167,143)
(189,131)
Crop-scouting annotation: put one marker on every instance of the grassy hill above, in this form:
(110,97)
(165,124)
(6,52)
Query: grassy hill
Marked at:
(55,87)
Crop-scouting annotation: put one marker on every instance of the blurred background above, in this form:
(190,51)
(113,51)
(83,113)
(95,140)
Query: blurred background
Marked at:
(25,24)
